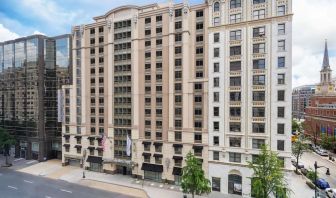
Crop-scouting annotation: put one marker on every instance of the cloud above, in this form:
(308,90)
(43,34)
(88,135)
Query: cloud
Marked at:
(6,34)
(38,32)
(313,23)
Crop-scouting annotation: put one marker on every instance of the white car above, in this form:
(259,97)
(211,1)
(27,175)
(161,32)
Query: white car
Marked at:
(331,192)
(323,152)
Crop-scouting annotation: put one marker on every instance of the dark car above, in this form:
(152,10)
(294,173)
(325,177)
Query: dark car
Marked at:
(322,184)
(304,171)
(299,166)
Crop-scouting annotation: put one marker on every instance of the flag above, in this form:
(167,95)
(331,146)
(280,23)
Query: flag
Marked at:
(103,141)
(128,146)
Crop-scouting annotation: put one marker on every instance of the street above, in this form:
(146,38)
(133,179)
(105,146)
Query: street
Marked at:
(309,158)
(15,184)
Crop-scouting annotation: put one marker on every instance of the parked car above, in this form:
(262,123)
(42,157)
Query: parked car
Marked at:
(330,192)
(322,184)
(304,171)
(299,166)
(322,152)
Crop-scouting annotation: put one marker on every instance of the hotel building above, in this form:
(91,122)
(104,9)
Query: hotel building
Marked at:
(138,103)
(250,74)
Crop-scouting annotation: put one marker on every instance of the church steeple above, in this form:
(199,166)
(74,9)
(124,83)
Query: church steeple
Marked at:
(325,64)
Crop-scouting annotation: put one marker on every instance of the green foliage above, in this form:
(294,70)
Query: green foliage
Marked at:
(327,142)
(298,148)
(6,140)
(268,176)
(296,126)
(193,178)
(311,175)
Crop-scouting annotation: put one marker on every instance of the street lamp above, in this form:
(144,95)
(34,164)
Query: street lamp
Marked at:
(317,167)
(84,155)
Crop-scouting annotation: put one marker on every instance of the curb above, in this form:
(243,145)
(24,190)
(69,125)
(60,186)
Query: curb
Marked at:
(119,185)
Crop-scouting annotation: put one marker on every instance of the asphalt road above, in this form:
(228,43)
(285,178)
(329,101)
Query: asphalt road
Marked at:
(15,184)
(309,158)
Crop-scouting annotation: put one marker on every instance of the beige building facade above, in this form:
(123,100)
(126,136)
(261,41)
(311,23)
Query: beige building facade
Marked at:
(138,103)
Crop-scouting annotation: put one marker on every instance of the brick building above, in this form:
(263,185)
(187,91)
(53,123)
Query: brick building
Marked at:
(321,113)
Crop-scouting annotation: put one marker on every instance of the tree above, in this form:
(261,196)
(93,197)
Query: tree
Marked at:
(6,141)
(309,127)
(268,177)
(298,148)
(327,142)
(193,178)
(296,126)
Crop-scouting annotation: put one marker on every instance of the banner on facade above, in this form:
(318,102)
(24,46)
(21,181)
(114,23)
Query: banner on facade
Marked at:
(128,146)
(60,106)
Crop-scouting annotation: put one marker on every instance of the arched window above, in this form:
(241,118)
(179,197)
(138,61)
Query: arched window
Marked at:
(235,184)
(216,7)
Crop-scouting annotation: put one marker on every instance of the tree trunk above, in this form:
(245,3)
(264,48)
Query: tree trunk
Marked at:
(6,160)
(297,164)
(192,195)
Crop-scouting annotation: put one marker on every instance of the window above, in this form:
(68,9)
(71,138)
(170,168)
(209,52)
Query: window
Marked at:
(235,142)
(147,43)
(147,20)
(178,50)
(159,18)
(216,111)
(281,28)
(147,32)
(198,99)
(236,50)
(178,150)
(258,111)
(258,96)
(235,127)
(258,1)
(199,38)
(216,126)
(235,96)
(178,25)
(101,39)
(281,128)
(216,67)
(235,66)
(178,136)
(216,21)
(216,82)
(259,64)
(158,30)
(216,140)
(281,45)
(281,10)
(199,63)
(178,37)
(281,95)
(198,138)
(199,74)
(216,184)
(198,86)
(216,52)
(159,42)
(215,155)
(259,48)
(158,53)
(178,123)
(259,14)
(281,62)
(235,157)
(281,112)
(259,32)
(235,35)
(199,26)
(258,128)
(178,13)
(199,50)
(281,145)
(235,81)
(198,124)
(216,37)
(281,79)
(198,111)
(235,18)
(178,87)
(258,79)
(199,13)
(235,111)
(92,31)
(233,181)
(235,4)
(216,7)
(216,96)
(257,143)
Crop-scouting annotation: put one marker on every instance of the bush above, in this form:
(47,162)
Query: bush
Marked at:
(311,175)
(310,184)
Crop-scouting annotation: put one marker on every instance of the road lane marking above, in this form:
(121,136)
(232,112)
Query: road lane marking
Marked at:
(28,181)
(47,196)
(12,187)
(30,162)
(66,191)
(17,159)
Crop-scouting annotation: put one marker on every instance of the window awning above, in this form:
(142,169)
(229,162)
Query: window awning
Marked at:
(197,147)
(91,147)
(157,155)
(78,146)
(177,157)
(91,137)
(78,136)
(177,145)
(177,171)
(100,148)
(152,167)
(94,159)
(157,143)
(66,145)
(66,136)
(146,143)
(99,138)
(146,154)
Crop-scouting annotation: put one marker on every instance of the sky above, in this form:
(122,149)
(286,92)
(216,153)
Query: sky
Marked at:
(313,22)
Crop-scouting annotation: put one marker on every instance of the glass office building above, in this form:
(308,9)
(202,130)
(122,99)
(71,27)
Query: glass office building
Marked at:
(31,70)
